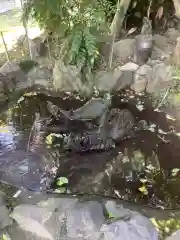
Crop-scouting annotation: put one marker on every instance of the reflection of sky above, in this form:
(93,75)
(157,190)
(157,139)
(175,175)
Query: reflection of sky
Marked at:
(8,139)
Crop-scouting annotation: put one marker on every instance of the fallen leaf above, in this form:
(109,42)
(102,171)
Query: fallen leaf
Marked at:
(170,117)
(175,171)
(132,30)
(61,181)
(144,190)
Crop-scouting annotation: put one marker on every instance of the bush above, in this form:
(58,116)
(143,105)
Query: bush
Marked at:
(76,25)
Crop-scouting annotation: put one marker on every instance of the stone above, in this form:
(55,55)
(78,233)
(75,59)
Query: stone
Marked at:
(174,236)
(13,75)
(124,49)
(143,47)
(85,221)
(176,53)
(137,228)
(161,78)
(8,67)
(5,220)
(116,80)
(68,79)
(35,45)
(142,77)
(39,75)
(162,49)
(32,219)
(177,7)
(59,204)
(172,34)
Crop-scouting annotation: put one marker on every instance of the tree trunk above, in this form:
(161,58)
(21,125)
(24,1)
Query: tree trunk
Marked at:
(122,7)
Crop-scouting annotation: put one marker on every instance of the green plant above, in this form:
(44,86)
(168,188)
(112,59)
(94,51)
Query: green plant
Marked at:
(76,26)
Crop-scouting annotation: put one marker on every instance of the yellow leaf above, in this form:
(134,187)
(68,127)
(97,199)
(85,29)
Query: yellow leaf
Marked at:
(144,190)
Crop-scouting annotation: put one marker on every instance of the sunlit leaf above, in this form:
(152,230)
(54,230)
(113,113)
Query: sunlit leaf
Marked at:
(29,94)
(170,117)
(144,190)
(20,99)
(175,171)
(61,181)
(132,30)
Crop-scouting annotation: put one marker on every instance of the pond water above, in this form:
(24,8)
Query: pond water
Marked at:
(143,169)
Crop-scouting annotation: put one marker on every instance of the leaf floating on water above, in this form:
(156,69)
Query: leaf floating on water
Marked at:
(162,132)
(20,99)
(144,190)
(61,181)
(29,94)
(140,107)
(170,117)
(175,171)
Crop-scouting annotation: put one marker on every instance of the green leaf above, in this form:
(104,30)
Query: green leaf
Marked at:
(175,171)
(61,181)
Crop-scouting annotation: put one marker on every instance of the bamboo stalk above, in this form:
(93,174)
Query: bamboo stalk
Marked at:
(5,47)
(26,32)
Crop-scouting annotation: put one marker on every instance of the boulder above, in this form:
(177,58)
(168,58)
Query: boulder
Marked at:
(40,76)
(68,79)
(174,236)
(117,79)
(162,48)
(142,77)
(172,34)
(124,50)
(161,78)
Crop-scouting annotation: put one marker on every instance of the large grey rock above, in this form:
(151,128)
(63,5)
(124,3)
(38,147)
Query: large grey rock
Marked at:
(137,228)
(172,34)
(13,75)
(85,221)
(32,219)
(5,220)
(142,76)
(124,50)
(68,79)
(40,75)
(162,48)
(174,236)
(117,79)
(161,78)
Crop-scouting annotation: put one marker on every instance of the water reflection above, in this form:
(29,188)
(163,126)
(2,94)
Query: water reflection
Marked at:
(137,170)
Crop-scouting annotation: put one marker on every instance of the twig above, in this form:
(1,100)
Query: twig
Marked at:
(26,31)
(163,99)
(32,129)
(49,51)
(5,47)
(149,9)
(114,36)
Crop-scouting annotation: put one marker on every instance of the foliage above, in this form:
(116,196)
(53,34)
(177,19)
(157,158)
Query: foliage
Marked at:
(75,25)
(166,227)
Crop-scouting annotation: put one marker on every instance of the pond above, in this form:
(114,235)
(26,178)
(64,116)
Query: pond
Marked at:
(143,169)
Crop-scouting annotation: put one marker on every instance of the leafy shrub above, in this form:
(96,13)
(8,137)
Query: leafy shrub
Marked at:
(76,25)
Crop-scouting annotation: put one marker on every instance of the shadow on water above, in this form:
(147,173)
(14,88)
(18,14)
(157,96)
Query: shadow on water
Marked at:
(139,169)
